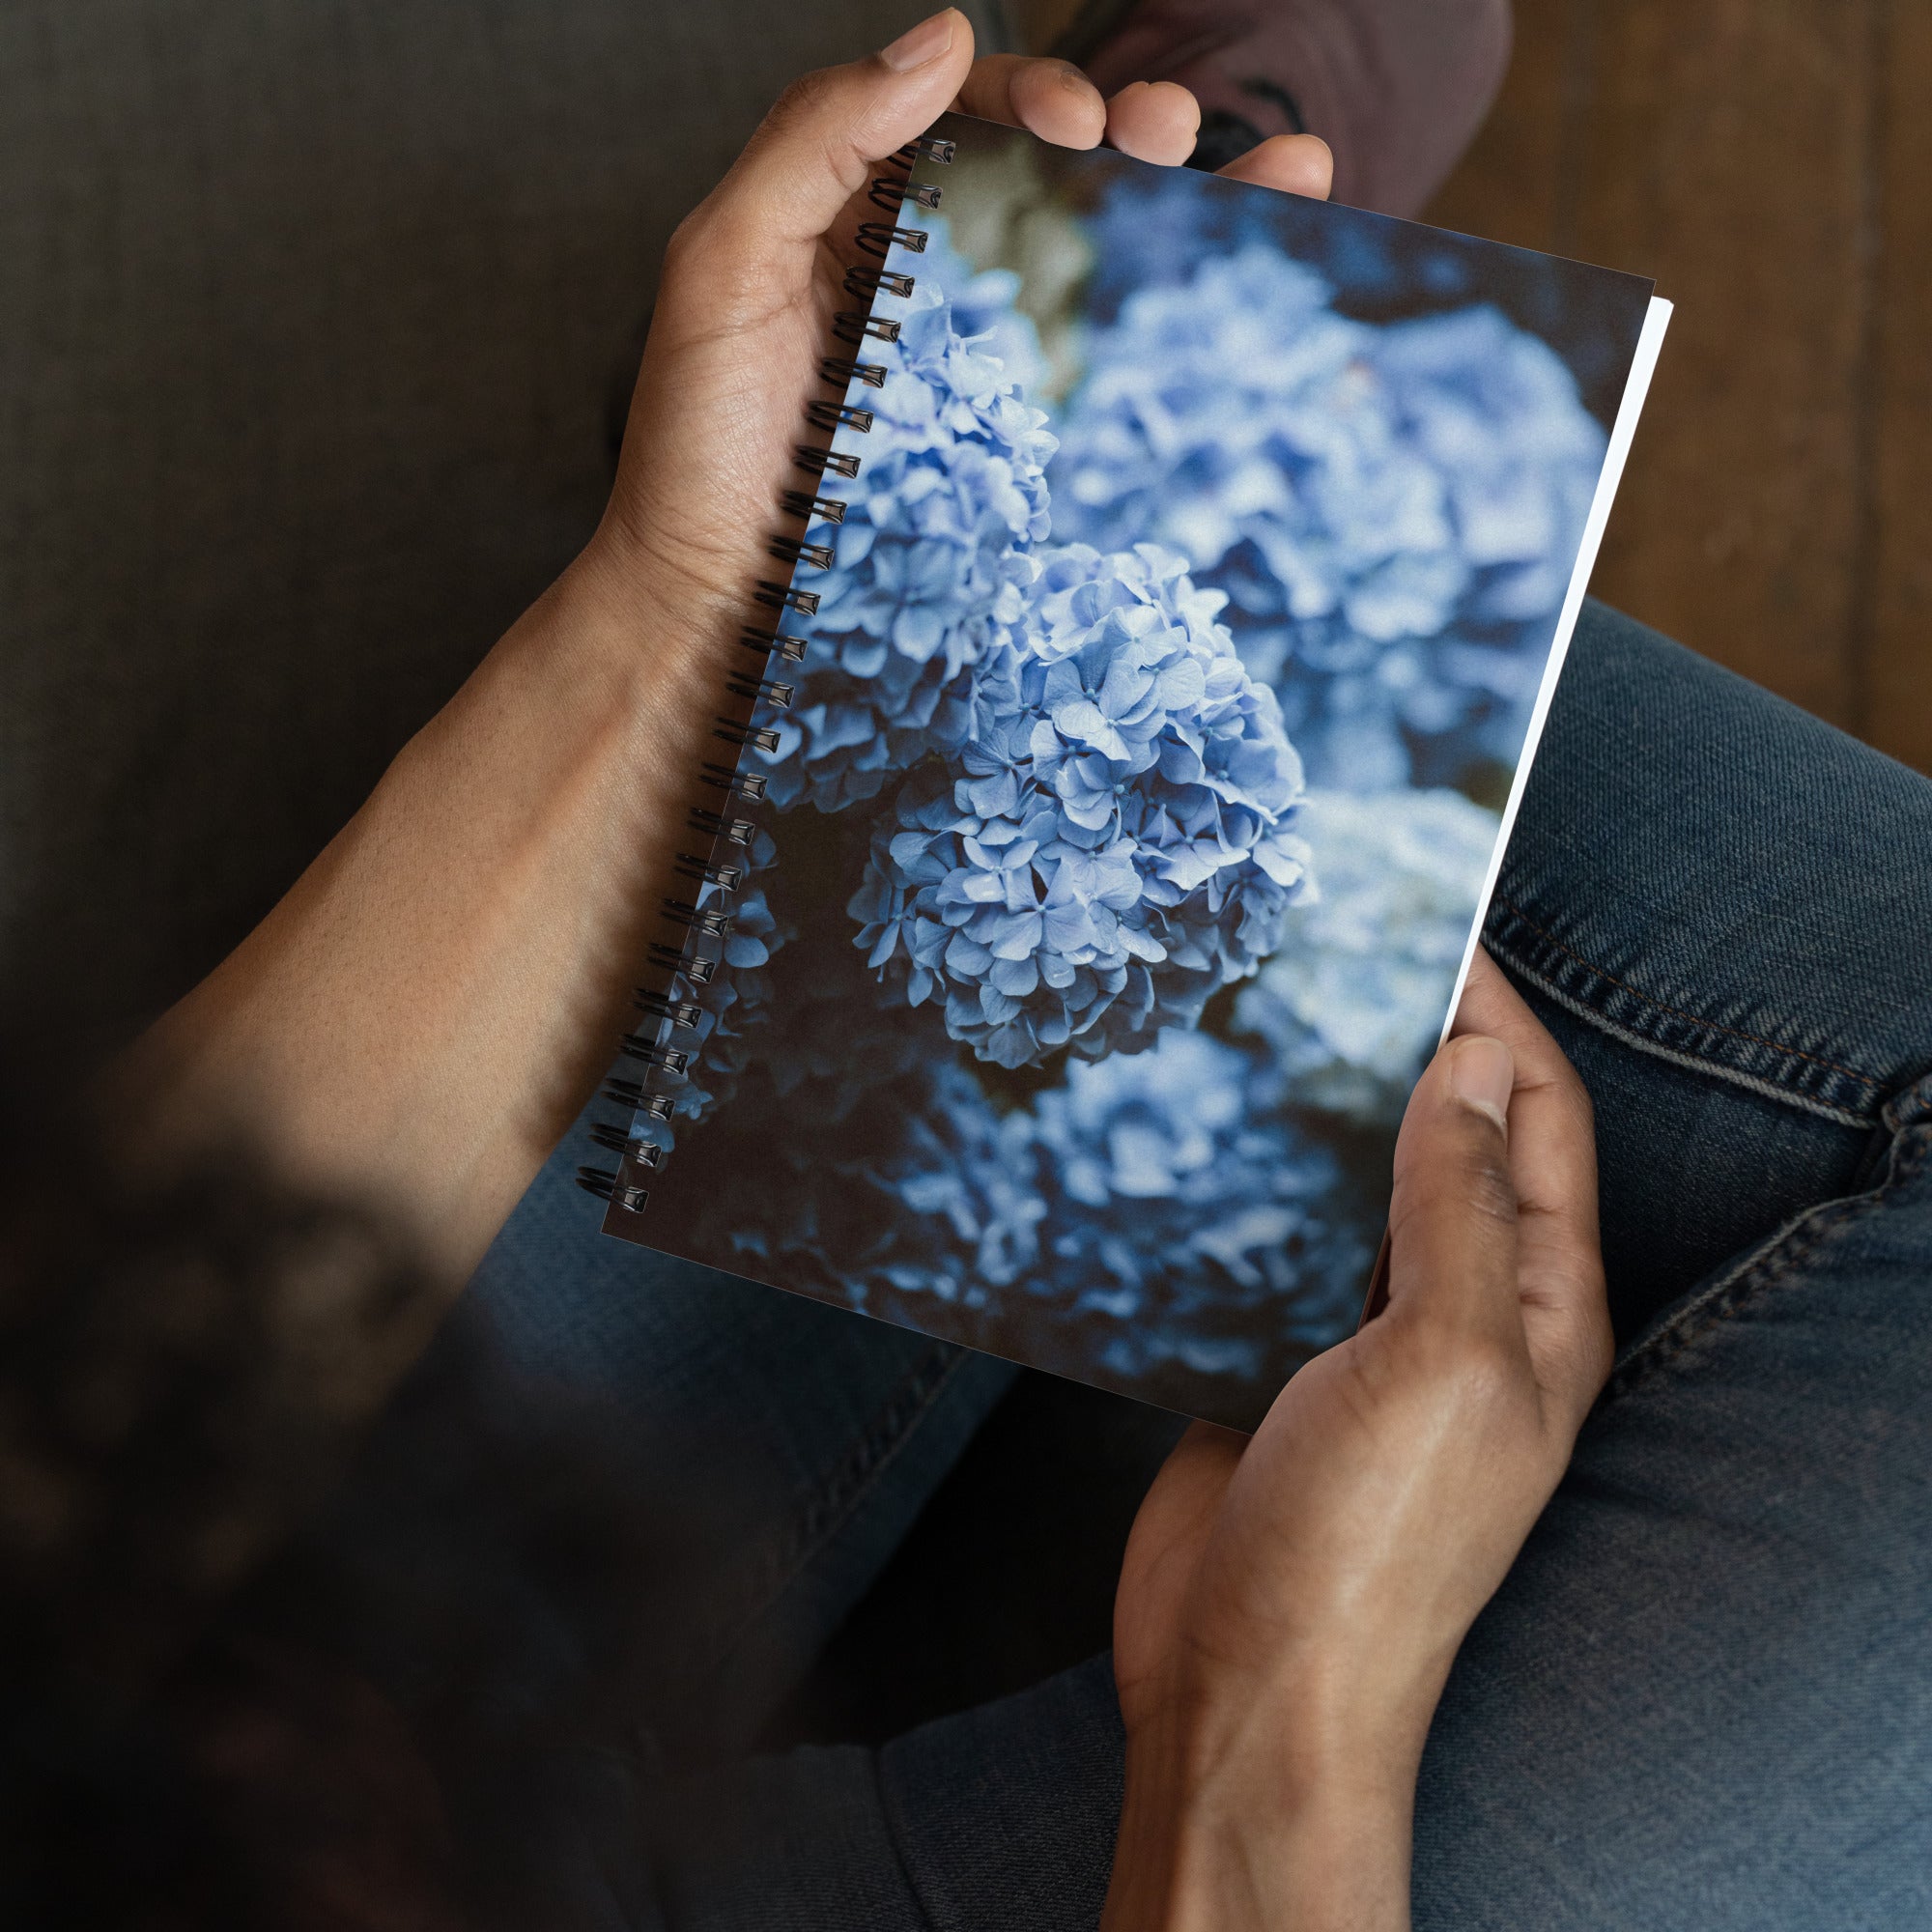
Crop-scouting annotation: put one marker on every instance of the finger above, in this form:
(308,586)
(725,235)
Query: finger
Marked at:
(1155,121)
(1553,1144)
(1051,97)
(1453,1220)
(1292,163)
(813,153)
(1553,1166)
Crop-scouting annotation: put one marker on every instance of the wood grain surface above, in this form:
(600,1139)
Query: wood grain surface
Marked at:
(1770,163)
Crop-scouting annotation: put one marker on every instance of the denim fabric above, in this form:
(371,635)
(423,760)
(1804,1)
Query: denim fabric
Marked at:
(778,1448)
(1701,1698)
(1722,907)
(1002,1816)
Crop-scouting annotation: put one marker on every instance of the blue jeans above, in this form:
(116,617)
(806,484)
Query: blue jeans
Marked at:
(1703,1698)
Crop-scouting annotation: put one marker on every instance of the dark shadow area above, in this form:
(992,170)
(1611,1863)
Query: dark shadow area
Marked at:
(1006,1578)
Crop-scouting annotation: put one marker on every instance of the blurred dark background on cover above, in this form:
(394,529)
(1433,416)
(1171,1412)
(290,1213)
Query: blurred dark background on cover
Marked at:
(311,322)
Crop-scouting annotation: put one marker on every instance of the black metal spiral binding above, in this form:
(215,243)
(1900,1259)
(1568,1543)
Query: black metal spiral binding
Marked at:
(852,324)
(790,549)
(772,643)
(716,826)
(695,961)
(825,462)
(760,738)
(662,1007)
(840,370)
(881,237)
(782,597)
(654,1053)
(601,1182)
(891,191)
(803,503)
(839,415)
(865,283)
(708,871)
(675,959)
(705,920)
(741,684)
(729,780)
(635,1097)
(646,1153)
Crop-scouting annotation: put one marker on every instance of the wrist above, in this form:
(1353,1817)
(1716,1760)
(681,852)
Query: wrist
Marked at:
(1289,1809)
(620,633)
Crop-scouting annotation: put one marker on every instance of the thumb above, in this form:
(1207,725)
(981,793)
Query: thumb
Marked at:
(1453,1223)
(818,146)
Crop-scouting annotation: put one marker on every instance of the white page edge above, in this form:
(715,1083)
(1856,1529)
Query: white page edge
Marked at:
(1623,433)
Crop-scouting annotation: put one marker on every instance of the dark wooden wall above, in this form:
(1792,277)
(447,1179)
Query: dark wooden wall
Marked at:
(1770,163)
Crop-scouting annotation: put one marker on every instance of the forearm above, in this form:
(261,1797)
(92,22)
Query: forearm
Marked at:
(1277,1820)
(426,1010)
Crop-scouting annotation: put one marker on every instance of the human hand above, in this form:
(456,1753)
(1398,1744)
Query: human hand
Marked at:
(1290,1605)
(753,280)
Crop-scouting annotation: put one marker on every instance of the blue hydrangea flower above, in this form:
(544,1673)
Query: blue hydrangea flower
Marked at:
(1179,1208)
(1496,413)
(931,565)
(1351,1005)
(1113,841)
(984,303)
(1393,510)
(929,1193)
(1141,1217)
(963,1172)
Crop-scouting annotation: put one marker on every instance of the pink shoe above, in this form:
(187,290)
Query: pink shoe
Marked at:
(1396,88)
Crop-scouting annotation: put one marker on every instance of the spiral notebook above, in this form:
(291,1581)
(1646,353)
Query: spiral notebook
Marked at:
(1099,825)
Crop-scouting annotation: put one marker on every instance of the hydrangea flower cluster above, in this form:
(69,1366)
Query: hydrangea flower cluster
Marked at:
(1392,510)
(961,1171)
(1351,1004)
(927,1192)
(1178,1207)
(1114,840)
(931,565)
(1136,1219)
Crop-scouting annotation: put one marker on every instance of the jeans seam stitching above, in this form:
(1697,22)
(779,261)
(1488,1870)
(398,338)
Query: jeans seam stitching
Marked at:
(1678,1012)
(896,1833)
(834,1499)
(1768,1266)
(876,1449)
(1692,1063)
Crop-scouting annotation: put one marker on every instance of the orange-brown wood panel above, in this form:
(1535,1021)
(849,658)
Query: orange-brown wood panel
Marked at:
(1725,148)
(1895,647)
(1507,185)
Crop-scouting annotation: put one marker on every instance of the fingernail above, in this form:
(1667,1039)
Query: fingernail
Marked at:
(1481,1074)
(920,43)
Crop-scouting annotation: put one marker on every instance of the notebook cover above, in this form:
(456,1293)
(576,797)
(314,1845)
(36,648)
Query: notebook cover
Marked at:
(1168,699)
